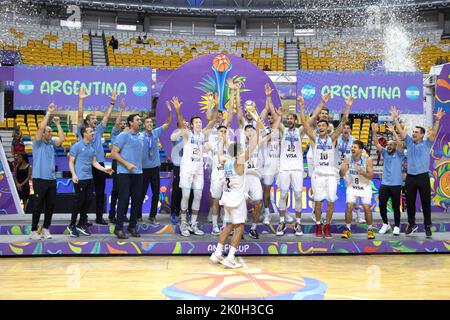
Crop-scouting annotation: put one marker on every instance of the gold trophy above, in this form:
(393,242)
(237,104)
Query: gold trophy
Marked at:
(250,107)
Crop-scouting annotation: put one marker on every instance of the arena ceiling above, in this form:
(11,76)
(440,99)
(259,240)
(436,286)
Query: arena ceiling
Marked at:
(259,8)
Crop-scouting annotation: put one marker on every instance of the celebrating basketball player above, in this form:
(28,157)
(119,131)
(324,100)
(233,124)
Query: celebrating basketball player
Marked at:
(320,113)
(253,188)
(191,167)
(270,150)
(233,199)
(323,180)
(344,148)
(358,171)
(219,134)
(291,171)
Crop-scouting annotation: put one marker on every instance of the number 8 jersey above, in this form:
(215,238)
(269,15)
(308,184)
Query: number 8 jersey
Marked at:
(359,185)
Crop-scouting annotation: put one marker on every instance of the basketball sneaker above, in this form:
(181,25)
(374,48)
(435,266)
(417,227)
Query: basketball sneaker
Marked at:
(346,234)
(73,232)
(214,258)
(410,229)
(253,234)
(46,234)
(215,231)
(84,230)
(196,230)
(231,263)
(428,232)
(385,229)
(396,231)
(184,229)
(319,231)
(298,229)
(326,231)
(281,228)
(35,236)
(370,234)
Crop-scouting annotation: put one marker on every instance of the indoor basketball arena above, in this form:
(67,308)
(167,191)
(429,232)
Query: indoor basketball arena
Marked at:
(224,150)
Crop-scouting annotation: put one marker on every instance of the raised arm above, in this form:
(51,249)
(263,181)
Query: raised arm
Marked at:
(110,109)
(209,111)
(211,122)
(400,144)
(338,131)
(81,96)
(230,116)
(395,114)
(169,116)
(375,137)
(239,114)
(306,126)
(119,115)
(437,122)
(51,108)
(221,156)
(177,105)
(61,136)
(318,109)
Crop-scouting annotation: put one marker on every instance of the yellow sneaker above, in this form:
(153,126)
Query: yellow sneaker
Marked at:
(370,234)
(346,234)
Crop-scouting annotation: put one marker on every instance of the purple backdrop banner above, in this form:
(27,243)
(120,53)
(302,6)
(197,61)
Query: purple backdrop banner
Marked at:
(375,92)
(36,86)
(6,73)
(194,79)
(440,164)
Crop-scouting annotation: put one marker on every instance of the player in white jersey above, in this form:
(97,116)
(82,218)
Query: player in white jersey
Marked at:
(323,180)
(291,172)
(217,174)
(213,137)
(357,170)
(233,200)
(191,168)
(343,149)
(270,151)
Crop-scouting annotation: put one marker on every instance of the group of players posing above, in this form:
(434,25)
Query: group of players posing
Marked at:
(240,159)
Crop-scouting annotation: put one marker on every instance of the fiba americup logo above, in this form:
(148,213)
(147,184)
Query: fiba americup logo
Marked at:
(412,93)
(26,87)
(140,88)
(308,91)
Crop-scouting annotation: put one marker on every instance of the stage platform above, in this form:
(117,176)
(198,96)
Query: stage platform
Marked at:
(166,240)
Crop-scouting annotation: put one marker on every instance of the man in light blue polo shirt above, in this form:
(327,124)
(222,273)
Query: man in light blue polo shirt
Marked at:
(417,179)
(99,176)
(127,150)
(151,162)
(82,159)
(391,184)
(44,180)
(119,126)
